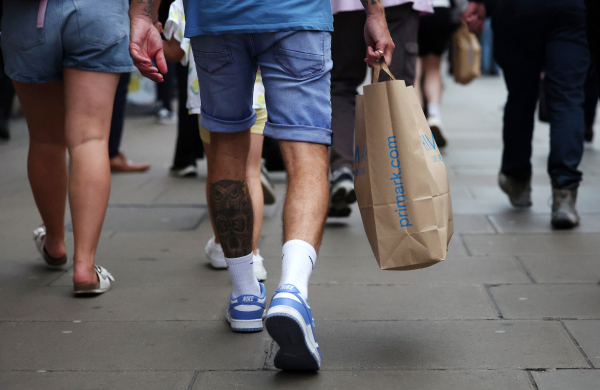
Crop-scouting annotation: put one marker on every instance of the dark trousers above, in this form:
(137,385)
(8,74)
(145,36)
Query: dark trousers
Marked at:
(118,116)
(164,90)
(348,51)
(591,97)
(531,36)
(189,146)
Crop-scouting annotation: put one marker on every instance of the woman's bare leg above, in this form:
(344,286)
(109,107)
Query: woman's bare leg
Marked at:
(89,100)
(433,78)
(255,187)
(418,80)
(43,106)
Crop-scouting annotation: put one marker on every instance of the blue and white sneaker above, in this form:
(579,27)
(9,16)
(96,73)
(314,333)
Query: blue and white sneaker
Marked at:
(290,323)
(246,312)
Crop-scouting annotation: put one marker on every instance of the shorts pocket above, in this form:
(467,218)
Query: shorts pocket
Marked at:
(211,53)
(301,54)
(19,25)
(101,24)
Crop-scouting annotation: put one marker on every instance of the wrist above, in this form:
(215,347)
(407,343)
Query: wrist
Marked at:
(375,10)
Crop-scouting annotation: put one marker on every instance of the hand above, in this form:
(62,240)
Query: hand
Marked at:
(377,37)
(474,16)
(144,45)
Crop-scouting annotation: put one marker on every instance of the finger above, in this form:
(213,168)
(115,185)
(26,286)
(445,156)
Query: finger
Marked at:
(161,63)
(372,55)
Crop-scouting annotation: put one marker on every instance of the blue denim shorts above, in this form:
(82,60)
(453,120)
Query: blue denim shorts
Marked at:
(39,38)
(295,68)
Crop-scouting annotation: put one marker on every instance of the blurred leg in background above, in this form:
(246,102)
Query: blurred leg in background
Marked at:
(7,94)
(118,161)
(590,103)
(188,147)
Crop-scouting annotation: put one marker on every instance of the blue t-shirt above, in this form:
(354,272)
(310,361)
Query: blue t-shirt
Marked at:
(214,17)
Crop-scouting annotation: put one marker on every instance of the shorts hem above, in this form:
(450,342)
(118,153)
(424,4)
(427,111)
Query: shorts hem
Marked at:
(220,126)
(317,135)
(121,69)
(30,80)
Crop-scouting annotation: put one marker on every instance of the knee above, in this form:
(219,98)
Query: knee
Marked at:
(76,140)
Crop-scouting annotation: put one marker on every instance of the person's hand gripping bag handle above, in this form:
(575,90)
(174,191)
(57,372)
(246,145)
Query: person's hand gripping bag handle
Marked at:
(401,182)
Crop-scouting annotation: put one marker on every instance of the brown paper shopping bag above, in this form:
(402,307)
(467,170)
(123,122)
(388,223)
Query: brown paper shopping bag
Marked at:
(466,55)
(401,181)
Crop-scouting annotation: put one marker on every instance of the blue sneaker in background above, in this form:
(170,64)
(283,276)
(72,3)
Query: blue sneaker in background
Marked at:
(246,312)
(290,323)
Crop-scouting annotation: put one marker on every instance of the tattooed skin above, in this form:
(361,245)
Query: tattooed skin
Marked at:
(149,6)
(231,208)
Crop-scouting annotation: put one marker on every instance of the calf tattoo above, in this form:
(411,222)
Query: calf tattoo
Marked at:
(231,208)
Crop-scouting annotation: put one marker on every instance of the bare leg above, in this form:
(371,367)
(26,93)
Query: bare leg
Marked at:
(255,187)
(418,80)
(307,196)
(433,78)
(89,100)
(230,202)
(43,106)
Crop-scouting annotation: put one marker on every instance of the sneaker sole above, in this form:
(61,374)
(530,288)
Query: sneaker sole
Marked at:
(343,194)
(294,354)
(440,140)
(245,325)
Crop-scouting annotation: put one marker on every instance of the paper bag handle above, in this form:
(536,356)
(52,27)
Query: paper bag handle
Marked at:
(377,68)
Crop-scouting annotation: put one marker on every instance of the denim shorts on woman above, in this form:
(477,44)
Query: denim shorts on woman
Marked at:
(39,38)
(295,68)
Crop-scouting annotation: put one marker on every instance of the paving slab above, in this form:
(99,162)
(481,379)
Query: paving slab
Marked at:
(587,335)
(339,302)
(472,224)
(567,379)
(359,380)
(136,218)
(523,222)
(94,380)
(563,268)
(126,302)
(455,270)
(548,301)
(126,346)
(403,345)
(533,244)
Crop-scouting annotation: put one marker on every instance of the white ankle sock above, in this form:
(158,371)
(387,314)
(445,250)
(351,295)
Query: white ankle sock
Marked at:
(433,109)
(242,276)
(299,258)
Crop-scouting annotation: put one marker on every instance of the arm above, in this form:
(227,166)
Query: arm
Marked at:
(145,41)
(474,16)
(173,51)
(377,35)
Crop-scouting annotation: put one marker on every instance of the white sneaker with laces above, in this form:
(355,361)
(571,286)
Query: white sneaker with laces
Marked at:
(214,254)
(259,269)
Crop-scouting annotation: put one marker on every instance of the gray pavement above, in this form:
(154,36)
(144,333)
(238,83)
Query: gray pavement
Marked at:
(515,305)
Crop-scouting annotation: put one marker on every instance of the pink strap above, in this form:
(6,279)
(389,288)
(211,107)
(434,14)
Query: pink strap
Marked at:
(42,13)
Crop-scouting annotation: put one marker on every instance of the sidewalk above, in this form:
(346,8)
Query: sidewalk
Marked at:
(515,306)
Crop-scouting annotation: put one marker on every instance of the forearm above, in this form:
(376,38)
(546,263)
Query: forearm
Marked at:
(145,9)
(373,7)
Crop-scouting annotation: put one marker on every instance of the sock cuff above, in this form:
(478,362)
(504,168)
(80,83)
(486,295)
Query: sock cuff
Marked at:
(239,260)
(300,245)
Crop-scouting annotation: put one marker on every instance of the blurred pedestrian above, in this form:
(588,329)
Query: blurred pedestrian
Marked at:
(230,40)
(486,39)
(348,47)
(531,36)
(118,161)
(435,31)
(64,59)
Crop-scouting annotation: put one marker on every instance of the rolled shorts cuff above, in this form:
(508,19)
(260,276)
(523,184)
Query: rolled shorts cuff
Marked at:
(220,126)
(317,135)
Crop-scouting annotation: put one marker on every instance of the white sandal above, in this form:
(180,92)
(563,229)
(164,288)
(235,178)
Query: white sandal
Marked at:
(102,285)
(39,237)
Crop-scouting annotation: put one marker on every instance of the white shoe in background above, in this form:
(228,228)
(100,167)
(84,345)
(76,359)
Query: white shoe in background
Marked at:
(214,253)
(259,269)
